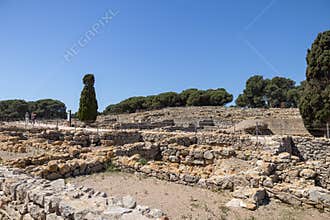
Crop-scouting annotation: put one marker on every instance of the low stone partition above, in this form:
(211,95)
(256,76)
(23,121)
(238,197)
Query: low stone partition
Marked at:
(147,150)
(283,177)
(143,125)
(312,148)
(195,154)
(78,161)
(200,138)
(26,197)
(92,138)
(253,169)
(169,137)
(216,138)
(318,150)
(122,137)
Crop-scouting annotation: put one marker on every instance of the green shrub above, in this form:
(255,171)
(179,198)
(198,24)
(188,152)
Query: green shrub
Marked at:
(143,161)
(110,167)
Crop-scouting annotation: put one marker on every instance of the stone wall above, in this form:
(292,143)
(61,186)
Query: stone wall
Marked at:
(281,121)
(317,150)
(283,177)
(141,125)
(273,166)
(122,137)
(313,148)
(26,197)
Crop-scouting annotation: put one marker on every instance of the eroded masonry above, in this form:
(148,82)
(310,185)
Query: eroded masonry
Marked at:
(213,148)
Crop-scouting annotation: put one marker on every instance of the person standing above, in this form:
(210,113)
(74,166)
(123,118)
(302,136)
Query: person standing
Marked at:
(27,118)
(33,117)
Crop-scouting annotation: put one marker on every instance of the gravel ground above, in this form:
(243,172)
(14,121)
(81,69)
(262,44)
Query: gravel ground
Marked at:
(4,155)
(185,202)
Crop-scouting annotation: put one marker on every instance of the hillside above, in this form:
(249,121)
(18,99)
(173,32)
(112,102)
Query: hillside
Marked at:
(279,120)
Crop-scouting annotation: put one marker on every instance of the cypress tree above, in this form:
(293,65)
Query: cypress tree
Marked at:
(315,100)
(88,103)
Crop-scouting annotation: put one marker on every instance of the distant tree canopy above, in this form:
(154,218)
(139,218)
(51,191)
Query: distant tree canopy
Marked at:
(278,92)
(45,109)
(189,97)
(314,104)
(48,108)
(88,104)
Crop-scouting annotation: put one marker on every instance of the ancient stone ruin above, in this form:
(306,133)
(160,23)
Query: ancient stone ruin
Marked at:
(253,169)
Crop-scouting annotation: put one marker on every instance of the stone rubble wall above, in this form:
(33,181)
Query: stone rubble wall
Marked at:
(141,125)
(317,150)
(194,154)
(25,197)
(313,148)
(281,121)
(275,167)
(310,149)
(122,137)
(280,177)
(76,162)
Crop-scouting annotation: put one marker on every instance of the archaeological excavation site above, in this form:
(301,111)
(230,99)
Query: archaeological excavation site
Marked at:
(174,163)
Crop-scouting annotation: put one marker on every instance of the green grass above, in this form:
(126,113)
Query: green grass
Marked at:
(143,161)
(110,167)
(224,209)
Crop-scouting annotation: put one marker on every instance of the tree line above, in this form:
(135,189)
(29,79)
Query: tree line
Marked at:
(312,96)
(45,109)
(188,97)
(278,92)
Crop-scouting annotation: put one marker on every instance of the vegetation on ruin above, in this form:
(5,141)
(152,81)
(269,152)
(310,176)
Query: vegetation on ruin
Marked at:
(189,97)
(45,109)
(314,104)
(278,92)
(88,104)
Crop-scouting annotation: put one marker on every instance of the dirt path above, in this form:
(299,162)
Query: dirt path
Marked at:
(185,202)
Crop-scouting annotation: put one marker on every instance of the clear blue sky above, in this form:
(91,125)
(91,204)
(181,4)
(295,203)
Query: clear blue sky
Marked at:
(151,46)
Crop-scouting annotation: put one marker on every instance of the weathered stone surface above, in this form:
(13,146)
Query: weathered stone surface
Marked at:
(208,155)
(217,160)
(307,173)
(129,202)
(239,203)
(41,200)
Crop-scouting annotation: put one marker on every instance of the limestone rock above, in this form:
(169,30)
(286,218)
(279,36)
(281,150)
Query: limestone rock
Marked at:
(128,202)
(307,173)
